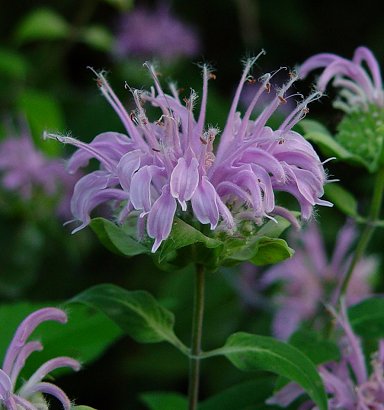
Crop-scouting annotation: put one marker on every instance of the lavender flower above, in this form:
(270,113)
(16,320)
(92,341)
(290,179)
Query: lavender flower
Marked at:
(309,278)
(155,33)
(361,87)
(26,171)
(28,396)
(169,165)
(347,381)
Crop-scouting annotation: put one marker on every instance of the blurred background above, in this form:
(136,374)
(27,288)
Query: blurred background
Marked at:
(45,49)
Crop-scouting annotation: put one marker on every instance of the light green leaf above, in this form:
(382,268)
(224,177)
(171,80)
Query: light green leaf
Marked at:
(97,37)
(343,199)
(82,408)
(137,313)
(93,333)
(12,64)
(367,317)
(42,24)
(164,401)
(317,133)
(251,352)
(118,239)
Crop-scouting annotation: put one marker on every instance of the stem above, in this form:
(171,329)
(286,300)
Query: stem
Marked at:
(197,329)
(370,226)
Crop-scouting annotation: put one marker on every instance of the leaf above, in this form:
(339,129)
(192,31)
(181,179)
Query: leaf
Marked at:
(183,235)
(315,132)
(118,239)
(367,317)
(123,5)
(164,401)
(42,24)
(137,313)
(12,64)
(97,37)
(246,395)
(251,352)
(271,250)
(42,112)
(343,199)
(93,333)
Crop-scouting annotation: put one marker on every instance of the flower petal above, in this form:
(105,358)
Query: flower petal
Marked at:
(184,180)
(204,203)
(160,218)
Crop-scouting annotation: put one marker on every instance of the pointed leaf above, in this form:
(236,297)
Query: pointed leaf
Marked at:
(367,317)
(164,401)
(343,199)
(118,239)
(97,37)
(251,352)
(136,312)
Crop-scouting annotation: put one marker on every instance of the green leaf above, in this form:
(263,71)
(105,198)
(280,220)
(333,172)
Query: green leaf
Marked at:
(271,250)
(183,235)
(136,312)
(123,5)
(118,239)
(315,132)
(247,395)
(43,113)
(92,334)
(164,401)
(367,317)
(82,408)
(251,352)
(97,37)
(42,24)
(343,199)
(12,64)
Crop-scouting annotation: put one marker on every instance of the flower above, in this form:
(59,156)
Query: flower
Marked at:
(19,350)
(361,86)
(347,382)
(170,165)
(154,33)
(26,171)
(309,278)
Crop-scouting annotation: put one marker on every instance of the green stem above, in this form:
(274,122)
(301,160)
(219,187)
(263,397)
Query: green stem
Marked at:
(366,236)
(197,330)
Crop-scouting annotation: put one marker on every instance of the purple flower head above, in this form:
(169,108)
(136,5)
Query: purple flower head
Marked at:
(25,170)
(155,33)
(347,382)
(359,78)
(310,278)
(28,395)
(170,166)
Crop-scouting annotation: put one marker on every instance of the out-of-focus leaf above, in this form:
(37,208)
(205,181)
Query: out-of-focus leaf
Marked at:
(97,37)
(12,64)
(82,408)
(43,113)
(137,313)
(41,24)
(343,199)
(250,352)
(244,396)
(84,337)
(164,401)
(367,317)
(123,5)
